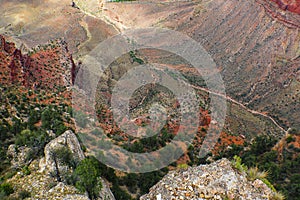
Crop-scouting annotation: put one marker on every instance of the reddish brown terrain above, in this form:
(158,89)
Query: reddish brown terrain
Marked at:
(257,51)
(290,5)
(48,66)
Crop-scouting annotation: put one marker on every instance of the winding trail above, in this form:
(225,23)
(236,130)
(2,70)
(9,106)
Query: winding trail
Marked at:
(240,104)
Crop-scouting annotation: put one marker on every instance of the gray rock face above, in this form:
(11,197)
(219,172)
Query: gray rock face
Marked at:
(67,139)
(106,193)
(214,181)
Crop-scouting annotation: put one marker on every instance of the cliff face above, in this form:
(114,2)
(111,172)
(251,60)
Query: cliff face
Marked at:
(46,66)
(10,63)
(214,181)
(67,139)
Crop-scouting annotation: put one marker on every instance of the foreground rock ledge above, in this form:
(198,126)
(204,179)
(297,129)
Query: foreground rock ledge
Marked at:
(41,185)
(214,181)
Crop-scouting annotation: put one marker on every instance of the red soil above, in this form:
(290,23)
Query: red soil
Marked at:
(290,5)
(46,66)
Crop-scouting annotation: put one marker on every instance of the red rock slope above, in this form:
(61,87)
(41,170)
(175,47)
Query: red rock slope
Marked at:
(47,66)
(290,5)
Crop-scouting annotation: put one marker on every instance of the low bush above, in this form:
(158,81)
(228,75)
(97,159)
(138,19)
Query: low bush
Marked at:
(6,188)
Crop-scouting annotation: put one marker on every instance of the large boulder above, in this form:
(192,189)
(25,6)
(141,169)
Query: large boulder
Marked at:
(67,139)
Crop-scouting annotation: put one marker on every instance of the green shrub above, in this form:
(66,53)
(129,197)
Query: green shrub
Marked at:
(267,182)
(26,170)
(87,174)
(237,164)
(6,188)
(133,55)
(290,139)
(182,166)
(23,194)
(26,137)
(9,174)
(81,119)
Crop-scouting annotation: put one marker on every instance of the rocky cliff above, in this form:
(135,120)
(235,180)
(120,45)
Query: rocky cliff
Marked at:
(45,66)
(214,181)
(290,5)
(69,140)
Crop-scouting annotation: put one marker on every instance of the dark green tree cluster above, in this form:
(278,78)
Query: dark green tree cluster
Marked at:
(86,177)
(283,169)
(149,144)
(22,126)
(5,190)
(52,120)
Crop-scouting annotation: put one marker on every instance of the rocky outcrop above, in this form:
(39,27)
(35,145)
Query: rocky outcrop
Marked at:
(61,188)
(214,181)
(42,186)
(91,7)
(10,63)
(47,165)
(68,139)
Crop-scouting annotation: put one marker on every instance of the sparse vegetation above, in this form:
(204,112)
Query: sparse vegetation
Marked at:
(254,173)
(133,55)
(28,118)
(277,196)
(23,194)
(62,155)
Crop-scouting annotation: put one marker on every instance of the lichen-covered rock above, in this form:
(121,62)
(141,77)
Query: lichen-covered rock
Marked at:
(42,186)
(214,181)
(105,192)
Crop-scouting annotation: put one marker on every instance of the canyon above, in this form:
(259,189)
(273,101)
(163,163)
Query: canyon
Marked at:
(254,43)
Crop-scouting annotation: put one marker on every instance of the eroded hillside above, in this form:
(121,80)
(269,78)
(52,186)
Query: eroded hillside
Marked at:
(257,51)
